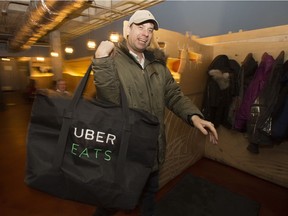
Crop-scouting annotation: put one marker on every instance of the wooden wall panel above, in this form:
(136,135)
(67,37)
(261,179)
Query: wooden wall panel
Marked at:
(271,163)
(239,50)
(74,70)
(77,66)
(43,82)
(74,80)
(237,45)
(185,146)
(194,77)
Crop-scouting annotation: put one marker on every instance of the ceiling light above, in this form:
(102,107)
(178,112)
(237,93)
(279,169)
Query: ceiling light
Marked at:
(54,54)
(91,44)
(69,50)
(5,59)
(114,37)
(42,59)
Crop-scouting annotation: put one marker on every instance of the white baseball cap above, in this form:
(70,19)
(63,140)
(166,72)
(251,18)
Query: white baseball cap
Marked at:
(141,16)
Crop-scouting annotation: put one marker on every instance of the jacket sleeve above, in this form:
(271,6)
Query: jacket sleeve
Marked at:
(176,101)
(106,79)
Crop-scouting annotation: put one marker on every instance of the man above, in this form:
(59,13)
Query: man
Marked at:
(148,85)
(61,87)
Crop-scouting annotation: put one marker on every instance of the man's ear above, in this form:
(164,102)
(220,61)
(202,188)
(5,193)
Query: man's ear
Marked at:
(128,30)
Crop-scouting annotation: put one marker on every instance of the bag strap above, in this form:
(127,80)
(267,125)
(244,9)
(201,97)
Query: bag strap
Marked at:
(126,132)
(67,119)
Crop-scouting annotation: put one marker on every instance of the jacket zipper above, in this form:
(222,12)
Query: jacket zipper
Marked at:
(148,86)
(149,90)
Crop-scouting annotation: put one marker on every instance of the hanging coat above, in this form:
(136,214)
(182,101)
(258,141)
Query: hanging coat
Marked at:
(259,127)
(246,74)
(219,90)
(242,80)
(255,87)
(279,130)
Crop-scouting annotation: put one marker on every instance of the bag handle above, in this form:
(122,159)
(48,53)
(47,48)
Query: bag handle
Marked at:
(67,118)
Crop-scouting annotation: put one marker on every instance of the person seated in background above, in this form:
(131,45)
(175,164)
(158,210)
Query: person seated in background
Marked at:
(61,87)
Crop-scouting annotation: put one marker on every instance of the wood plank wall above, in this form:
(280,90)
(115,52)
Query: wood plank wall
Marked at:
(272,163)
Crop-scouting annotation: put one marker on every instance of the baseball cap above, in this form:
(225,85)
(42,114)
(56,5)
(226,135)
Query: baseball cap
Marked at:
(141,16)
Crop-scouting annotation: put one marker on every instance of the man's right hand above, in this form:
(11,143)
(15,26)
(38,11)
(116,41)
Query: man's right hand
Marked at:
(104,49)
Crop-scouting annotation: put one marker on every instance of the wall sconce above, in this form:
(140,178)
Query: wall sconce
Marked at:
(69,50)
(54,54)
(91,44)
(41,59)
(114,37)
(5,59)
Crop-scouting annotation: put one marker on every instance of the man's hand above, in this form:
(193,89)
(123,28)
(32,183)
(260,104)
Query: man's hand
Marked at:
(104,49)
(206,128)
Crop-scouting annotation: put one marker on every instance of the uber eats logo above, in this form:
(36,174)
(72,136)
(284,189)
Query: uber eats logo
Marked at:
(92,136)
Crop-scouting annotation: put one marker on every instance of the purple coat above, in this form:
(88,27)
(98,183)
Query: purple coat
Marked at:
(253,90)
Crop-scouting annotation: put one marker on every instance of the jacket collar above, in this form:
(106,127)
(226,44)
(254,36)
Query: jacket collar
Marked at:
(151,55)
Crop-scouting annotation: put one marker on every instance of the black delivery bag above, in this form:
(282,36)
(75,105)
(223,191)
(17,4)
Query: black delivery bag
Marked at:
(90,151)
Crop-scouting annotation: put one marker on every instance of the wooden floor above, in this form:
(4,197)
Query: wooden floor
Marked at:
(18,199)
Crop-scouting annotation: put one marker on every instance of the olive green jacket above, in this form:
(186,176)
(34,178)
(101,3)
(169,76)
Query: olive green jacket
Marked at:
(150,89)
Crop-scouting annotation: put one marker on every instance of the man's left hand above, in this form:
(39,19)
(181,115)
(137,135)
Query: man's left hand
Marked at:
(206,127)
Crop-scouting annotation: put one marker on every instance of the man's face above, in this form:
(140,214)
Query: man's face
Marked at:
(140,36)
(62,85)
